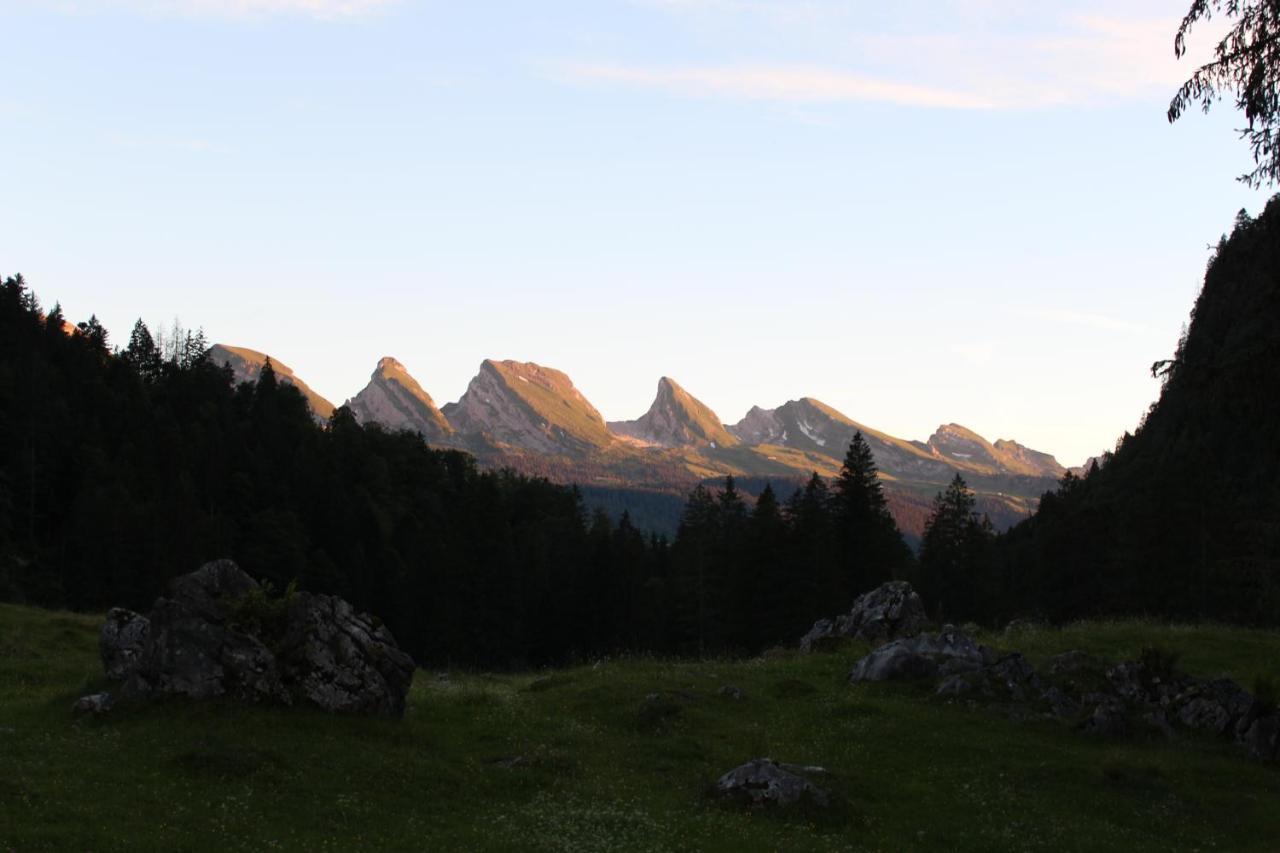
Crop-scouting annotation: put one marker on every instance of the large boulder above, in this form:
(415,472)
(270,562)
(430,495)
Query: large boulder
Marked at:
(342,660)
(764,782)
(890,611)
(123,637)
(946,653)
(215,632)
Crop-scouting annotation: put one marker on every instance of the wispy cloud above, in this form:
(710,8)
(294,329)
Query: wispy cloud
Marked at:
(324,9)
(776,83)
(1085,319)
(1081,59)
(162,142)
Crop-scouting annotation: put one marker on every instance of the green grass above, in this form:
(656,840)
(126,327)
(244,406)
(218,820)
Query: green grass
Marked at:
(579,759)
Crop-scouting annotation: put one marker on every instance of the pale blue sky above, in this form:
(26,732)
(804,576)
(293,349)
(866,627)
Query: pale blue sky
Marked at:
(968,211)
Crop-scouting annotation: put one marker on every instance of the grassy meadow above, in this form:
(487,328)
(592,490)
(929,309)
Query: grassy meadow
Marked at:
(579,759)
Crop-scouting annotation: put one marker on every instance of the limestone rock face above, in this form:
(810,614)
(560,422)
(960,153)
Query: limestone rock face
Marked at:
(528,407)
(395,400)
(197,648)
(206,640)
(123,637)
(342,660)
(676,419)
(890,611)
(764,782)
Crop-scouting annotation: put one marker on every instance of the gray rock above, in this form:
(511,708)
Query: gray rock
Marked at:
(1213,706)
(1109,717)
(1013,676)
(341,660)
(1262,738)
(890,611)
(1072,662)
(204,642)
(731,692)
(196,649)
(1157,719)
(946,653)
(93,705)
(1060,704)
(954,687)
(764,782)
(123,636)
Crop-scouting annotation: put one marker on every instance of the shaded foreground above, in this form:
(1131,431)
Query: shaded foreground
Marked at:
(618,755)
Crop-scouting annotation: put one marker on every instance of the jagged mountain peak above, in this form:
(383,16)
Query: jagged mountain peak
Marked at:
(530,407)
(676,419)
(246,365)
(394,399)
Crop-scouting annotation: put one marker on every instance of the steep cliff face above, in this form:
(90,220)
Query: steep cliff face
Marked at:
(395,400)
(529,407)
(246,364)
(676,419)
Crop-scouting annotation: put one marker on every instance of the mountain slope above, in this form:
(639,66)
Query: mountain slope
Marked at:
(970,451)
(676,419)
(395,400)
(528,407)
(1182,520)
(246,364)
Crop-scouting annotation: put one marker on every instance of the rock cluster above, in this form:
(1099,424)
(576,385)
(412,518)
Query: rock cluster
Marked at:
(205,637)
(1144,695)
(888,612)
(764,782)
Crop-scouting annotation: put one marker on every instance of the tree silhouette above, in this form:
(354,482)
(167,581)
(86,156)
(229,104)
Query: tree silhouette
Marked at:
(953,554)
(1247,62)
(871,545)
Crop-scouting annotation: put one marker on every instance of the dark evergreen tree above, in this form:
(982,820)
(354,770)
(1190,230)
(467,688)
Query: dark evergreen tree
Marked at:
(871,546)
(143,354)
(952,575)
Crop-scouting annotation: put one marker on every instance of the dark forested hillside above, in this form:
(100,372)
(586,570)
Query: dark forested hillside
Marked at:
(1184,518)
(123,467)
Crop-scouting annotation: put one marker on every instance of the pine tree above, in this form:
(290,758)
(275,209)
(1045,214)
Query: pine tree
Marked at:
(814,549)
(143,354)
(952,577)
(872,549)
(695,568)
(772,594)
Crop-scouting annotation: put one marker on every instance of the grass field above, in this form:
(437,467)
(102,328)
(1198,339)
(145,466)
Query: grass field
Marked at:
(578,760)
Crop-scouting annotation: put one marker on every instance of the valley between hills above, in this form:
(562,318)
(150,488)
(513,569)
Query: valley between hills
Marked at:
(533,419)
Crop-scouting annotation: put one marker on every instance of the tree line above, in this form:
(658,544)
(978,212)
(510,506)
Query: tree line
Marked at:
(123,467)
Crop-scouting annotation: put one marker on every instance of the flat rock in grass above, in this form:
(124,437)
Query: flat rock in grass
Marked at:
(949,652)
(93,705)
(204,640)
(121,641)
(890,611)
(764,782)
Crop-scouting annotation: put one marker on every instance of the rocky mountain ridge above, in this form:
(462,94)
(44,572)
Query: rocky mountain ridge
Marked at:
(533,418)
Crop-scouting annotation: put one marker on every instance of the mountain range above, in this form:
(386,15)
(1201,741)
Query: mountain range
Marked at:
(532,418)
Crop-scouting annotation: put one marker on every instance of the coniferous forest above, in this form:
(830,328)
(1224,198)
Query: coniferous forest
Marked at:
(122,466)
